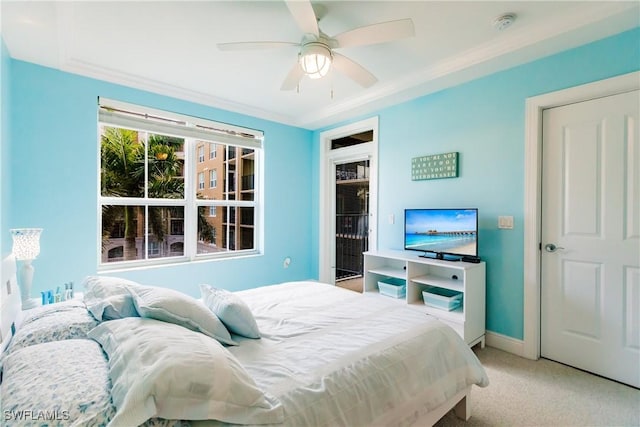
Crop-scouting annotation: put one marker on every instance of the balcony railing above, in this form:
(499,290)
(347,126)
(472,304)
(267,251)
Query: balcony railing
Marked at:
(352,239)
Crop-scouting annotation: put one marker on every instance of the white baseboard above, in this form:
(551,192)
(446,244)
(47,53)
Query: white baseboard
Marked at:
(505,343)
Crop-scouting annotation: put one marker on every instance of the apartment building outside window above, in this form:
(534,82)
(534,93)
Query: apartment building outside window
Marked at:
(153,204)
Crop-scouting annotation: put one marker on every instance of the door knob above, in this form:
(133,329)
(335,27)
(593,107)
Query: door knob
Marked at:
(550,247)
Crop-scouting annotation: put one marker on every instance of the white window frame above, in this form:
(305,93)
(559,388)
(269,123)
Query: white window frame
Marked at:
(213,151)
(194,130)
(200,153)
(200,180)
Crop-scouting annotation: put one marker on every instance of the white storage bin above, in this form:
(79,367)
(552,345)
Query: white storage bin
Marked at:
(444,299)
(395,288)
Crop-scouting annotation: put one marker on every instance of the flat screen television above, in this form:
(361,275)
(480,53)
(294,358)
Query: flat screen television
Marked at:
(442,232)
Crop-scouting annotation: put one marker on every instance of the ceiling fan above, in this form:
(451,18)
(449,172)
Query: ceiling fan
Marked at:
(317,50)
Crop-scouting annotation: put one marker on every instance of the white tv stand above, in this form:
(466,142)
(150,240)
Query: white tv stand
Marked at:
(420,273)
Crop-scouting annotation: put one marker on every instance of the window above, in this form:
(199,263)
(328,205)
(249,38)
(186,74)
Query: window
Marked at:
(154,249)
(213,178)
(154,206)
(177,227)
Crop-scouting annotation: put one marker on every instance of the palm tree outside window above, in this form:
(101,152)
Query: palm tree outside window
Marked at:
(145,212)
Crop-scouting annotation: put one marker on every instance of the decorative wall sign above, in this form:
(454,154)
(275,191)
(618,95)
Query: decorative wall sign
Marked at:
(434,166)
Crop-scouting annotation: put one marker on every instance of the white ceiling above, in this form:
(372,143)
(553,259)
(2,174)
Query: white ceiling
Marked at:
(169,47)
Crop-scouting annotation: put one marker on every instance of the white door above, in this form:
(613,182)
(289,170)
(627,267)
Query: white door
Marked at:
(590,292)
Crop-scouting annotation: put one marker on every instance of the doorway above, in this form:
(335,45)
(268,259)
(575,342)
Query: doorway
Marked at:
(352,222)
(533,247)
(348,183)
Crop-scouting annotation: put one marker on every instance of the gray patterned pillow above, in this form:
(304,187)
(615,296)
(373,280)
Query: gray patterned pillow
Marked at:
(55,322)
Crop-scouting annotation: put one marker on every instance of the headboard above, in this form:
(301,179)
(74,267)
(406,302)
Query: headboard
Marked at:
(10,301)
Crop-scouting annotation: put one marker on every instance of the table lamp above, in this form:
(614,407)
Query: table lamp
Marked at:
(26,247)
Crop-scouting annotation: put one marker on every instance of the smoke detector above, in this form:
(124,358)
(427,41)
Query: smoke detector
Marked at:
(502,22)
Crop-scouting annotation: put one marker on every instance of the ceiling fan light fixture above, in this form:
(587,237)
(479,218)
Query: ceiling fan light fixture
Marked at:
(315,59)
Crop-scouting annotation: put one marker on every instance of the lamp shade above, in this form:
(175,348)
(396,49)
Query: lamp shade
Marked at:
(26,243)
(315,60)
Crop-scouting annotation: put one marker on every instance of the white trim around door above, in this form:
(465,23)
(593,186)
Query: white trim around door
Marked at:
(532,190)
(328,159)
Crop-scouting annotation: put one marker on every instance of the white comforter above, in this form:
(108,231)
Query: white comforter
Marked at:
(338,358)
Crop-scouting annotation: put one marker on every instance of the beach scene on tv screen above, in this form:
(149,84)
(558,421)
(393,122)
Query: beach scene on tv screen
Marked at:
(448,230)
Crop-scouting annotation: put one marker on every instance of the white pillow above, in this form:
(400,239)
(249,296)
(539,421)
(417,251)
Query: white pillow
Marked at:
(172,306)
(232,311)
(158,369)
(108,298)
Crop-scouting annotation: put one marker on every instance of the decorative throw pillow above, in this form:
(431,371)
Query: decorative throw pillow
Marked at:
(232,311)
(158,369)
(108,298)
(53,322)
(172,306)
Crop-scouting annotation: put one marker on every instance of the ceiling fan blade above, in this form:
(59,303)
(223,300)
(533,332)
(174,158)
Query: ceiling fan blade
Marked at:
(304,16)
(293,78)
(353,70)
(376,33)
(254,45)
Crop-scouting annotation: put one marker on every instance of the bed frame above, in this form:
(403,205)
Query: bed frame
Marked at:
(411,413)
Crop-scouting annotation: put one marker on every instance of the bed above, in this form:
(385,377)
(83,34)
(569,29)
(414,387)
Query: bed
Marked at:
(288,355)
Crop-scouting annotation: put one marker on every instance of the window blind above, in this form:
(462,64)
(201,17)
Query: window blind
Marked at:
(120,114)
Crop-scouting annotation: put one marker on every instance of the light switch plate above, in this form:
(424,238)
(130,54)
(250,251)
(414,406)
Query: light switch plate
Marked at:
(505,222)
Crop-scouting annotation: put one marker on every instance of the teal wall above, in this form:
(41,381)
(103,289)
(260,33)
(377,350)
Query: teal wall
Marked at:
(484,120)
(5,148)
(54,151)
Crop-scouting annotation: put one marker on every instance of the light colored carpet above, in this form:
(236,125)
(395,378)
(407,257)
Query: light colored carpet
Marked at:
(525,392)
(354,284)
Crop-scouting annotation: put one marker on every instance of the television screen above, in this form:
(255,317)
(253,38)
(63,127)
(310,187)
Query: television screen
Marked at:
(442,231)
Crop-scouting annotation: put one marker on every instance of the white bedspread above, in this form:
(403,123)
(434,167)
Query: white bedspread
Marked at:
(324,349)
